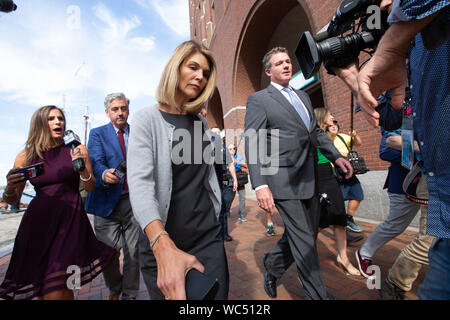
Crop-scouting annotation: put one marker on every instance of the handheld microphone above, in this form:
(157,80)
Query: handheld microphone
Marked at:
(121,169)
(72,140)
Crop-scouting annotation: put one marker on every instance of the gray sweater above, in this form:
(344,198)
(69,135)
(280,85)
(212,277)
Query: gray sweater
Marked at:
(149,167)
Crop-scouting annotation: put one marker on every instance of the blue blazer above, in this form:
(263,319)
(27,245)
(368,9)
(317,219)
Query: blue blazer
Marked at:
(105,153)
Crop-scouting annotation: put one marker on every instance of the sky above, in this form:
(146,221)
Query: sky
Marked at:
(71,53)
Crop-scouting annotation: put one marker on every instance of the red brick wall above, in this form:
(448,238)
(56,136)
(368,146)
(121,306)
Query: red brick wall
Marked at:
(240,28)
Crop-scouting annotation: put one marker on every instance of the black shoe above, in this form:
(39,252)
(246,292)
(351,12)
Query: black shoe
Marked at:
(270,282)
(270,285)
(351,238)
(228,238)
(390,291)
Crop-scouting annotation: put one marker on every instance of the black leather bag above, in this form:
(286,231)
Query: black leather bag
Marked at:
(242,178)
(358,163)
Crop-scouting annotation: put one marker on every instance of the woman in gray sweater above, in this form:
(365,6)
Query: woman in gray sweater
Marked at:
(173,187)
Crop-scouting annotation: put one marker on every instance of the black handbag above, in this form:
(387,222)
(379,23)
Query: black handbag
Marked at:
(358,163)
(242,178)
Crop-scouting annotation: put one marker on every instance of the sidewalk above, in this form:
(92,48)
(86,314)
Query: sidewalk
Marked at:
(246,270)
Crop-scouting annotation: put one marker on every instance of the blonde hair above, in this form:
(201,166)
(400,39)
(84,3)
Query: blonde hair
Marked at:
(322,114)
(40,136)
(168,84)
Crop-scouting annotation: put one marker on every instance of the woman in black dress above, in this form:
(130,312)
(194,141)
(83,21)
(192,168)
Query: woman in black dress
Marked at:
(174,190)
(333,210)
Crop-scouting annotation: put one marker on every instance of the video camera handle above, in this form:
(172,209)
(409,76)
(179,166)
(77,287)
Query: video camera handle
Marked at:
(346,13)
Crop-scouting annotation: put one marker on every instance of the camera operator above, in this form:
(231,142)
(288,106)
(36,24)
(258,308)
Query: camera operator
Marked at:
(430,60)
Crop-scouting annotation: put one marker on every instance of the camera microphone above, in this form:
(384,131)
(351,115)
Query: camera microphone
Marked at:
(322,34)
(72,140)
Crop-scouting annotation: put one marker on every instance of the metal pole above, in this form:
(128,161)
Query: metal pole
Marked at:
(351,122)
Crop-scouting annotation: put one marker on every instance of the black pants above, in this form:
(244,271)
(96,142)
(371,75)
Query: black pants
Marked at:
(298,244)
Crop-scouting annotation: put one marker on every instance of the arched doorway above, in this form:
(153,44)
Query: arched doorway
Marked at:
(268,25)
(215,111)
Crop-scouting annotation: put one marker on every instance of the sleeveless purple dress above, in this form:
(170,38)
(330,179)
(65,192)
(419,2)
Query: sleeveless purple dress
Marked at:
(54,233)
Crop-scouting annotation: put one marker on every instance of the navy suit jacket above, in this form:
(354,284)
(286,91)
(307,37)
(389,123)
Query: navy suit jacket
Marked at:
(105,153)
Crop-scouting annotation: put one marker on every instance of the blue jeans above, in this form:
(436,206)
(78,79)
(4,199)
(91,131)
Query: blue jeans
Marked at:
(436,285)
(227,198)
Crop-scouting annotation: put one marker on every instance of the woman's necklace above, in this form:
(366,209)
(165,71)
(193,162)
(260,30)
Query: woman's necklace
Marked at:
(169,108)
(179,110)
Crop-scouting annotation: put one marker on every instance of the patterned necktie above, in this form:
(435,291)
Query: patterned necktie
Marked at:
(298,105)
(122,146)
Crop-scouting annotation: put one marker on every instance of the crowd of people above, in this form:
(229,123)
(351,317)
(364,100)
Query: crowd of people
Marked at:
(169,211)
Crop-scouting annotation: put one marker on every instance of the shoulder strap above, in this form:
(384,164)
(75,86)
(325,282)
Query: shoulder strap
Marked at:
(343,141)
(351,120)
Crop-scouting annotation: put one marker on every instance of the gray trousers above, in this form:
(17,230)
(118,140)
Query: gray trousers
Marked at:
(121,231)
(241,193)
(401,213)
(298,243)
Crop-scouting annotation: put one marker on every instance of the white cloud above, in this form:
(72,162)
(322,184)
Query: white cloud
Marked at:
(144,44)
(175,13)
(41,68)
(39,56)
(117,28)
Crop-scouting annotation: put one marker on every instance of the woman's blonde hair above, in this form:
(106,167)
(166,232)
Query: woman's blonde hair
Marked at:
(322,114)
(168,84)
(40,136)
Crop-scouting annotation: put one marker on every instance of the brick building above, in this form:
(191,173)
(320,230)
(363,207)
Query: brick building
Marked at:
(240,32)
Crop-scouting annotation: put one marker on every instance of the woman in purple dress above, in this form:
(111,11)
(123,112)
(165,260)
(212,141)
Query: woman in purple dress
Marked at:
(55,240)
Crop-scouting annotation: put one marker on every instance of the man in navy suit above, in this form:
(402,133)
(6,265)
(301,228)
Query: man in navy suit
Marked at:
(114,221)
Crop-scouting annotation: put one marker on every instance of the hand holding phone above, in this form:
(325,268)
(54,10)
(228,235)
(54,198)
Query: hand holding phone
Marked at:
(198,285)
(30,172)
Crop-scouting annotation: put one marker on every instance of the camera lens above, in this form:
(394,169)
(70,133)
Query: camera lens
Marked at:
(307,55)
(310,54)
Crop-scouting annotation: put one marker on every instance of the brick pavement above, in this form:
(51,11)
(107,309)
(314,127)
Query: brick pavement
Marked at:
(246,270)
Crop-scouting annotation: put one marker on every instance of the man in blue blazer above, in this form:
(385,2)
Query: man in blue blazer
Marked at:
(114,221)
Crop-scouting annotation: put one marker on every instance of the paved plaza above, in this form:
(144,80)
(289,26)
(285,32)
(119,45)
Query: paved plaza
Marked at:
(245,254)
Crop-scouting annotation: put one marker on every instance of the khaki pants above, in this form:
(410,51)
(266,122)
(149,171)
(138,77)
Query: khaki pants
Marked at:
(406,268)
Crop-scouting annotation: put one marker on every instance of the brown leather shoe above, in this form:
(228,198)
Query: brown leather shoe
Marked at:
(115,297)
